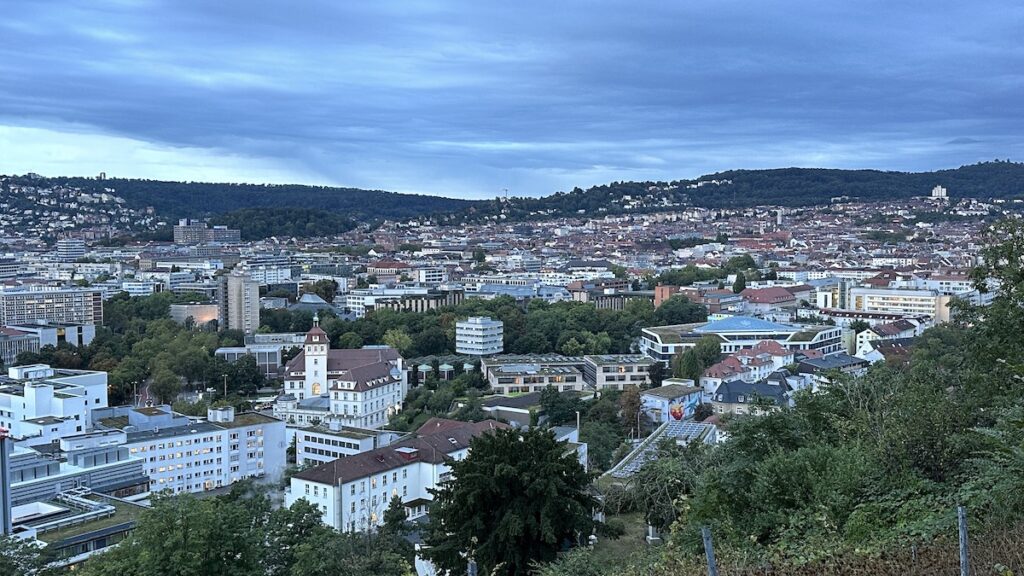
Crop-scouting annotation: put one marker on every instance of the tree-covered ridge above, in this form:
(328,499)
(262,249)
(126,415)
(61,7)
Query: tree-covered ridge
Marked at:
(734,188)
(783,186)
(195,199)
(259,223)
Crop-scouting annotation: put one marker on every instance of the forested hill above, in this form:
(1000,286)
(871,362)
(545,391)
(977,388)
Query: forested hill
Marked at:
(330,209)
(801,186)
(743,188)
(197,199)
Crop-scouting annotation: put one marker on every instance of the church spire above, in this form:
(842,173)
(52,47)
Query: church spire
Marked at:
(316,319)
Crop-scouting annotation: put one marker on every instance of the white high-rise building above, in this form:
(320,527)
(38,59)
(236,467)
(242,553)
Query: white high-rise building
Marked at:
(479,336)
(239,300)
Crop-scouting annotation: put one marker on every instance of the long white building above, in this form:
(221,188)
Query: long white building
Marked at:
(23,305)
(184,454)
(739,333)
(900,301)
(352,493)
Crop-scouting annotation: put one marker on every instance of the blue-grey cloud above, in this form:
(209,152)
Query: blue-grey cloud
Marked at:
(469,98)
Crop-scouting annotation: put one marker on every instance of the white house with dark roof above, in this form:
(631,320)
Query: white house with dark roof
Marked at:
(359,388)
(352,493)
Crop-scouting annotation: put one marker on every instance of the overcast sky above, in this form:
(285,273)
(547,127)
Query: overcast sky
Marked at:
(468,98)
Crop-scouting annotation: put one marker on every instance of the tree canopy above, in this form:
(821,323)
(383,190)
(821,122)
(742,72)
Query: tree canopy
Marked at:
(516,499)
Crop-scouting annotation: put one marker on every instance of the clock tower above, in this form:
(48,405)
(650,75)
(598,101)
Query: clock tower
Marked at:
(314,351)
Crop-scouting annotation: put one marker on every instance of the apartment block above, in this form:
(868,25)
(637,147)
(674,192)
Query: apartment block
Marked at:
(25,305)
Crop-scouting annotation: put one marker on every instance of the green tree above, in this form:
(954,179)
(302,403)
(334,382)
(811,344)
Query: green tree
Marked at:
(602,440)
(560,408)
(350,340)
(165,386)
(708,350)
(394,518)
(656,373)
(740,284)
(859,326)
(334,554)
(398,339)
(493,508)
(325,289)
(629,407)
(18,557)
(679,310)
(687,364)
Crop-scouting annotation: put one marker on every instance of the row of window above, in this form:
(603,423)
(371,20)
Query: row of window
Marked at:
(331,442)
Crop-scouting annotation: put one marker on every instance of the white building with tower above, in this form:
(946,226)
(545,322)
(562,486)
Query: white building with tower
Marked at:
(360,388)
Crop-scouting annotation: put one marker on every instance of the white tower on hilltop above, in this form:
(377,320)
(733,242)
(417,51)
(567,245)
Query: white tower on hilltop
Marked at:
(314,351)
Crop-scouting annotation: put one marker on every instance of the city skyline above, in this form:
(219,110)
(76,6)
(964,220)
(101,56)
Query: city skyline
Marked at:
(465,102)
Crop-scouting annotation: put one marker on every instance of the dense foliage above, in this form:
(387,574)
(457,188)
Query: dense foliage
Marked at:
(241,534)
(532,328)
(737,188)
(515,499)
(182,199)
(259,223)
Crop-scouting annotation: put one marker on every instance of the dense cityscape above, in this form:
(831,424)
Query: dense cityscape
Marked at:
(346,379)
(431,288)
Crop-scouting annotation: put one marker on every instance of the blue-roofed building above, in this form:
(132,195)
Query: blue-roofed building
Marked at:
(737,333)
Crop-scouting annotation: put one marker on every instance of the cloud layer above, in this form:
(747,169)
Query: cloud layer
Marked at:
(465,99)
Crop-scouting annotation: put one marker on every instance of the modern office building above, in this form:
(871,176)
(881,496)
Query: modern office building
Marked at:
(193,232)
(199,313)
(56,333)
(616,371)
(479,336)
(70,249)
(40,405)
(900,301)
(330,440)
(9,268)
(533,373)
(25,305)
(14,342)
(737,333)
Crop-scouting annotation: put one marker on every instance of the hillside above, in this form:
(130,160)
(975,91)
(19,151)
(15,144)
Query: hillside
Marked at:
(196,199)
(297,210)
(742,188)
